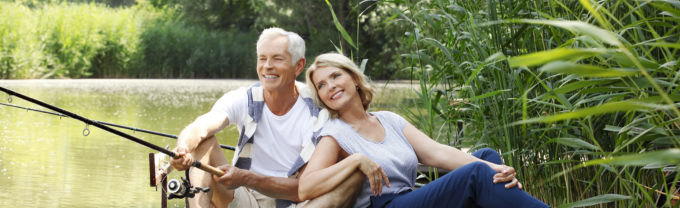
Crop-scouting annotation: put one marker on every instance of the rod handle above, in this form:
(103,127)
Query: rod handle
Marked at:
(208,168)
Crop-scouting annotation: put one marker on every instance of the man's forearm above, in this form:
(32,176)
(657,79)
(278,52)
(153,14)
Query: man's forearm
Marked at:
(189,138)
(275,187)
(203,127)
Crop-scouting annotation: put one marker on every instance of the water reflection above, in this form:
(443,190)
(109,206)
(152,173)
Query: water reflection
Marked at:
(45,161)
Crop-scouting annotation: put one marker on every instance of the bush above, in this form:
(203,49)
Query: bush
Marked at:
(173,49)
(90,40)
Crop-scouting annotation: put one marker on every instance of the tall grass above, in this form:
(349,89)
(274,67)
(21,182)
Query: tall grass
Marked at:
(581,97)
(65,40)
(90,40)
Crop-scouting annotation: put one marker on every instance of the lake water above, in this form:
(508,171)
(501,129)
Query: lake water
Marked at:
(46,161)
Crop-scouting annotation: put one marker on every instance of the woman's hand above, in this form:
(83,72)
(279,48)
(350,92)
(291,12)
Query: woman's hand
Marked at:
(506,174)
(375,174)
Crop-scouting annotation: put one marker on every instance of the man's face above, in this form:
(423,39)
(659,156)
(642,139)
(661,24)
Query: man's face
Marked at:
(275,67)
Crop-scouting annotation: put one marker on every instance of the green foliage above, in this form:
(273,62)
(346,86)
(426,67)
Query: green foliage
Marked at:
(65,41)
(214,14)
(186,38)
(174,49)
(553,85)
(597,200)
(88,40)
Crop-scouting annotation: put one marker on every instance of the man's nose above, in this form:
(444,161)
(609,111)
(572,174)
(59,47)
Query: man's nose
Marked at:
(267,63)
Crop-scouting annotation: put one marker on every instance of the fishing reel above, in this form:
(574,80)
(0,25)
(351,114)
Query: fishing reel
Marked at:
(159,167)
(183,189)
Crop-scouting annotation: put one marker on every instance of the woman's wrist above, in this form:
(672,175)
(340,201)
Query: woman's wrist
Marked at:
(498,168)
(356,158)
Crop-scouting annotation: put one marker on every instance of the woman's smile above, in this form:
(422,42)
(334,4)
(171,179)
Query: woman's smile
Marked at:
(337,94)
(332,85)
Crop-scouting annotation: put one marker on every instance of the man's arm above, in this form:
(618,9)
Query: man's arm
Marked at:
(275,187)
(203,127)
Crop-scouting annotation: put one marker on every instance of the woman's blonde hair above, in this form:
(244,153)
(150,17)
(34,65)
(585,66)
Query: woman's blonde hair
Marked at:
(336,60)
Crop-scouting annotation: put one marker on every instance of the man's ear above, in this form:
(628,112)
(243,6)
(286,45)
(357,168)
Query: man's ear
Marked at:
(299,66)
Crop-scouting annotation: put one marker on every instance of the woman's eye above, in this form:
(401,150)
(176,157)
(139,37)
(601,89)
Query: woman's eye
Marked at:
(336,76)
(321,85)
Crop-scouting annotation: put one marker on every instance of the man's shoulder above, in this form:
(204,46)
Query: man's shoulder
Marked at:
(232,101)
(304,91)
(333,124)
(243,90)
(240,93)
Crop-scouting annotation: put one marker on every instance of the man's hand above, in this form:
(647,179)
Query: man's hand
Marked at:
(184,161)
(506,174)
(233,177)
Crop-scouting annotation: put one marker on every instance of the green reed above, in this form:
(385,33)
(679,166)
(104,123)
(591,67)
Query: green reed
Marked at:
(581,97)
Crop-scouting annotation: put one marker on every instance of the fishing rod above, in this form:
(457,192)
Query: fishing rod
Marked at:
(111,124)
(172,154)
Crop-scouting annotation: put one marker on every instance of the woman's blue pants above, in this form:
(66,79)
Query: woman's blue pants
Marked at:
(468,186)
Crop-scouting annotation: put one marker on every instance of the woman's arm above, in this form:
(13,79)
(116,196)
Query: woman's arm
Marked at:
(434,154)
(438,155)
(323,174)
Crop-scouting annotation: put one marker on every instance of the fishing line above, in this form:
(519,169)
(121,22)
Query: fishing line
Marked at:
(172,154)
(107,123)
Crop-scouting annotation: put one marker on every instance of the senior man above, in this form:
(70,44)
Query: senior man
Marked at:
(277,121)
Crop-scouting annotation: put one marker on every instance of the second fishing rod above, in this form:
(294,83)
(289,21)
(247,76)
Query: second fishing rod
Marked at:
(111,124)
(87,121)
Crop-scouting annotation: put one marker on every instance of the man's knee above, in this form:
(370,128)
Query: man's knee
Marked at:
(350,188)
(218,195)
(208,152)
(344,195)
(355,182)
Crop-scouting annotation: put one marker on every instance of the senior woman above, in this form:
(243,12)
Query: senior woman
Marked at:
(387,149)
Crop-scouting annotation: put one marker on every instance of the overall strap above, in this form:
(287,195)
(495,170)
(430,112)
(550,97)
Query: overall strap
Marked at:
(242,157)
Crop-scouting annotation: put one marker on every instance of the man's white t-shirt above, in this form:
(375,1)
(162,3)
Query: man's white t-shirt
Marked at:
(278,140)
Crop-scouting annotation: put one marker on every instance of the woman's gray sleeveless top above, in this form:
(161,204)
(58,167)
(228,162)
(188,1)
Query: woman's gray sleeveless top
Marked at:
(395,154)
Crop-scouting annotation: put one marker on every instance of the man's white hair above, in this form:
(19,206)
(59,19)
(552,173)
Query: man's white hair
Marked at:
(296,45)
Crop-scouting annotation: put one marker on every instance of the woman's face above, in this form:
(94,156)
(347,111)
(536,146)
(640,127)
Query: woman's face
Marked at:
(335,87)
